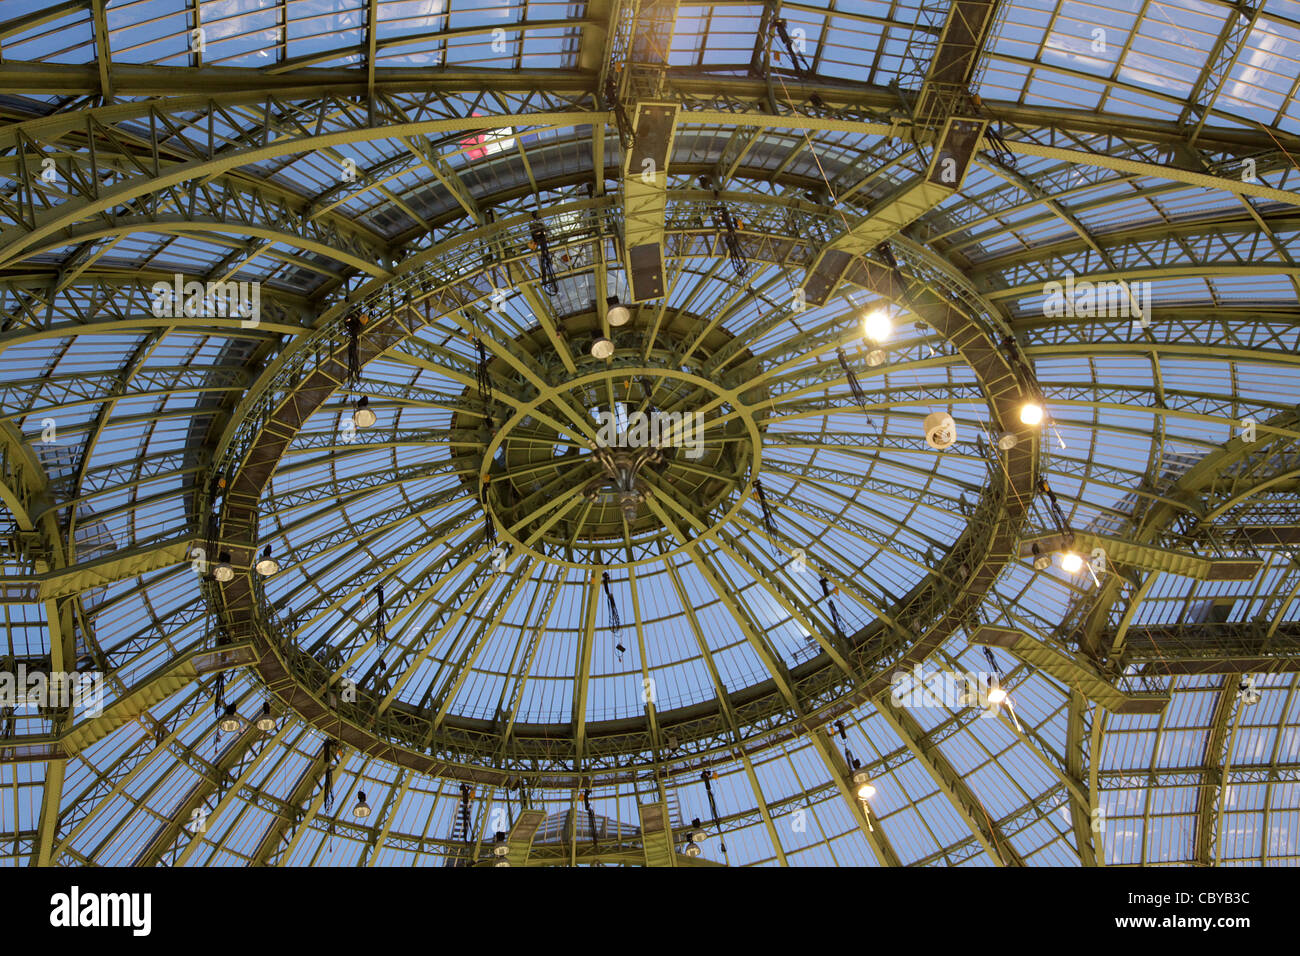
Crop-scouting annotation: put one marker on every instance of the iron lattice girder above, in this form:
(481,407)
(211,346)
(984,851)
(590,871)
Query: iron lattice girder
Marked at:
(1239,647)
(239,755)
(1186,507)
(106,302)
(294,134)
(1159,556)
(1070,669)
(100,572)
(962,41)
(300,808)
(656,835)
(131,705)
(1218,240)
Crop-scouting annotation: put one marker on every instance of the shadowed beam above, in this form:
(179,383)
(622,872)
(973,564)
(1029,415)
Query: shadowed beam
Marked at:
(166,837)
(1074,672)
(656,835)
(951,785)
(153,690)
(1152,557)
(839,772)
(307,783)
(101,572)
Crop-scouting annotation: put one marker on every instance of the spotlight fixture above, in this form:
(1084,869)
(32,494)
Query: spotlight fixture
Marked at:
(862,786)
(499,846)
(692,850)
(223,572)
(940,430)
(1041,561)
(266,723)
(363,417)
(267,565)
(876,357)
(602,348)
(1071,562)
(362,809)
(230,721)
(996,695)
(698,834)
(1248,691)
(502,862)
(618,313)
(876,325)
(1007,441)
(1031,413)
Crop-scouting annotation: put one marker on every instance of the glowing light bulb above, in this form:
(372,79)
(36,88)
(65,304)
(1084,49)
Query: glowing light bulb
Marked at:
(1031,413)
(876,325)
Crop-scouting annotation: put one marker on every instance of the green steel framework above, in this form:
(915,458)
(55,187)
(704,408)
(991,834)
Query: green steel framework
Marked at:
(119,180)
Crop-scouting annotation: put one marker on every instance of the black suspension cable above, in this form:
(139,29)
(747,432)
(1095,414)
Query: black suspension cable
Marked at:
(380,637)
(353,326)
(614,624)
(545,261)
(591,815)
(830,602)
(707,777)
(859,395)
(800,64)
(626,136)
(726,225)
(484,377)
(762,504)
(490,529)
(464,812)
(329,775)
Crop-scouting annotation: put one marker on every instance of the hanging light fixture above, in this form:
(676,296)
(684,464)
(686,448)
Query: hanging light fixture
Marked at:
(618,313)
(499,845)
(1007,440)
(1071,562)
(602,348)
(364,416)
(230,721)
(692,850)
(1041,561)
(265,722)
(362,809)
(997,695)
(940,430)
(876,358)
(863,788)
(1031,413)
(223,571)
(876,325)
(267,565)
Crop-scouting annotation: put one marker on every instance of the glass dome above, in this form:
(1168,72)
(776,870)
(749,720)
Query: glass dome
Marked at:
(327,277)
